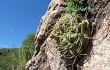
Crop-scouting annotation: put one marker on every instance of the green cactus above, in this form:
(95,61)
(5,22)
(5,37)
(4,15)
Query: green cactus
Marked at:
(85,39)
(78,19)
(73,37)
(64,42)
(67,35)
(83,25)
(58,32)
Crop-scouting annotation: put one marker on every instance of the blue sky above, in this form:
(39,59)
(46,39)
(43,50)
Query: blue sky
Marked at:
(18,18)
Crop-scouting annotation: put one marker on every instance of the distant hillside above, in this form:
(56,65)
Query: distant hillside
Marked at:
(8,58)
(16,58)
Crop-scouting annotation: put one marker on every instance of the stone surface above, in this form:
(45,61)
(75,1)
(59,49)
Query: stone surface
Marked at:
(46,56)
(100,56)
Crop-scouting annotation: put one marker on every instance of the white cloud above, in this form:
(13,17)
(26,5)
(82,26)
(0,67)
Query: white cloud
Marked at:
(4,46)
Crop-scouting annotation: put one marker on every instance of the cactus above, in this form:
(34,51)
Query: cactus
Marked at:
(73,37)
(84,24)
(71,41)
(64,42)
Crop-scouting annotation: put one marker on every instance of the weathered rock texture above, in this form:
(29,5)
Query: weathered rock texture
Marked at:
(100,55)
(48,58)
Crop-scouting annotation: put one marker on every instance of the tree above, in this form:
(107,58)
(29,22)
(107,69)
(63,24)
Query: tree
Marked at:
(28,45)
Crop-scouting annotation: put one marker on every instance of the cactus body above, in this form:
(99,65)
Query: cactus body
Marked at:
(68,36)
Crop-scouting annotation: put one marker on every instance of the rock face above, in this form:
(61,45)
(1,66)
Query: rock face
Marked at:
(100,55)
(46,56)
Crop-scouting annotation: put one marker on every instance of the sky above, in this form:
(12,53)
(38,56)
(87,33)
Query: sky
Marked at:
(18,18)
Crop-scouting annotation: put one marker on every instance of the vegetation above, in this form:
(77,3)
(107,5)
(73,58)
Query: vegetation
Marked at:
(8,59)
(77,6)
(16,58)
(29,44)
(72,30)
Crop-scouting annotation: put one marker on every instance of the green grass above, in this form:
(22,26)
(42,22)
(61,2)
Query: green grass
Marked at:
(16,58)
(8,60)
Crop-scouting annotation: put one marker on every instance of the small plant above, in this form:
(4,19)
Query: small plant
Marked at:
(76,6)
(72,34)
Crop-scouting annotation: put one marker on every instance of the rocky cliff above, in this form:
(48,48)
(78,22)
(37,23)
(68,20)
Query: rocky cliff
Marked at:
(95,55)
